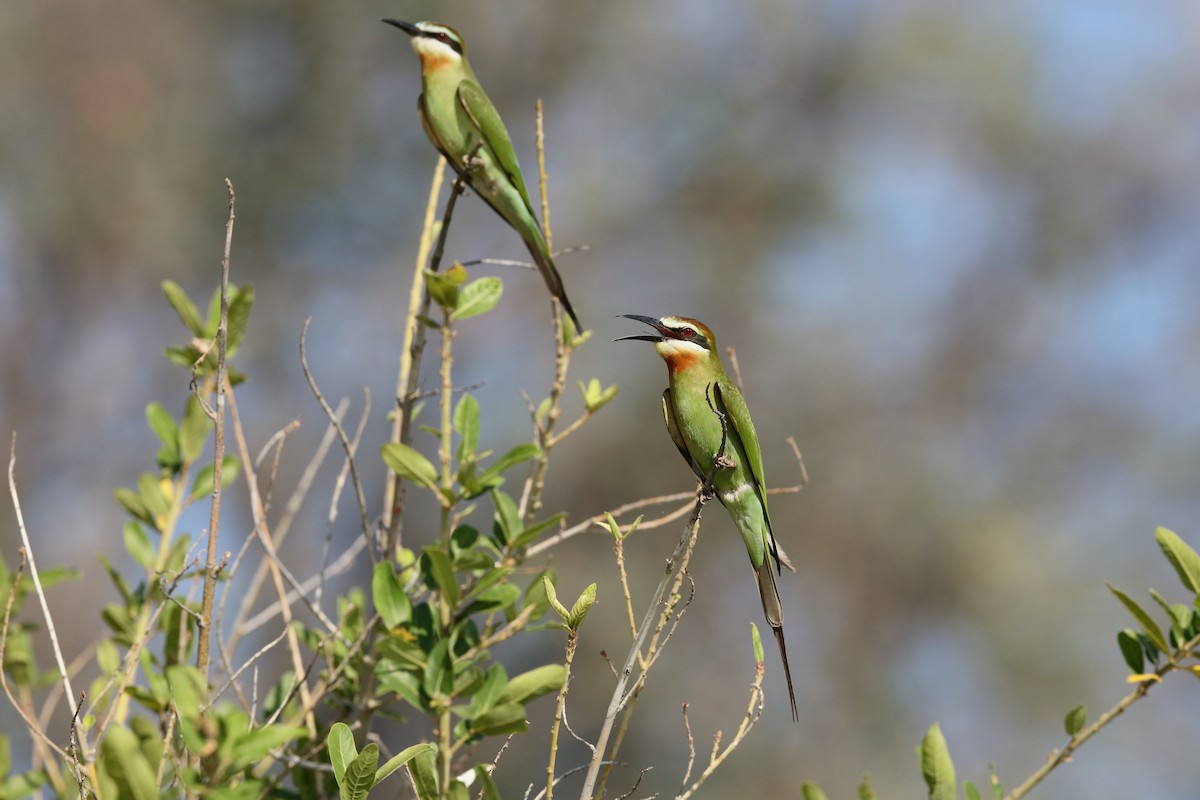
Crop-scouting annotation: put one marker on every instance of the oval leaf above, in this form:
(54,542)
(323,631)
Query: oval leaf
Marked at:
(1182,557)
(1147,622)
(1075,720)
(534,683)
(409,464)
(340,744)
(936,766)
(477,297)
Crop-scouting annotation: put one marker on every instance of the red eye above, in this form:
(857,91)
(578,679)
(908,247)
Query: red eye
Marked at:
(688,333)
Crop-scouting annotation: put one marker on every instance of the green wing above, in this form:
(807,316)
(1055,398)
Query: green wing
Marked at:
(495,136)
(676,436)
(730,401)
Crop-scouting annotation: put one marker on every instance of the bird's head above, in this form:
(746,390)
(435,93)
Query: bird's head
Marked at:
(681,341)
(436,44)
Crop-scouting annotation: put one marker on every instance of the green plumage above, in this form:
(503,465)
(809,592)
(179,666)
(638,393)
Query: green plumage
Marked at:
(702,407)
(465,127)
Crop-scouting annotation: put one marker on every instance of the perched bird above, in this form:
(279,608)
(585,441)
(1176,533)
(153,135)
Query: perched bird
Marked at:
(699,397)
(465,127)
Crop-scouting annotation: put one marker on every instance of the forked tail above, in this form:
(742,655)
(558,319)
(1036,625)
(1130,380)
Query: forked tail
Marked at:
(773,609)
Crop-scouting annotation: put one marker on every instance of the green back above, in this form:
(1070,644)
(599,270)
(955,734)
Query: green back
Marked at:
(495,136)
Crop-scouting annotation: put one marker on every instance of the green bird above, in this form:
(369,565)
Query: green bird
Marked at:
(465,127)
(698,397)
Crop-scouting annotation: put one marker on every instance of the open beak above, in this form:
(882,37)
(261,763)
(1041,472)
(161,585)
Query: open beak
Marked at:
(653,323)
(407,27)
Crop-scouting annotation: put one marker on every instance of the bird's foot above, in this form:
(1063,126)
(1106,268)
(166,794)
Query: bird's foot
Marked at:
(725,462)
(471,162)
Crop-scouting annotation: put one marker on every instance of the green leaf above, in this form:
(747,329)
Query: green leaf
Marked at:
(522,452)
(994,779)
(970,790)
(1075,720)
(532,684)
(410,464)
(483,774)
(391,602)
(121,756)
(595,397)
(500,596)
(153,500)
(194,431)
(502,718)
(443,286)
(1183,558)
(108,659)
(466,423)
(132,503)
(438,678)
(440,574)
(424,774)
(360,774)
(256,745)
(203,484)
(489,691)
(936,766)
(530,534)
(189,315)
(137,544)
(811,791)
(1147,622)
(508,521)
(477,297)
(403,757)
(579,610)
(865,792)
(187,688)
(168,434)
(241,299)
(552,599)
(757,643)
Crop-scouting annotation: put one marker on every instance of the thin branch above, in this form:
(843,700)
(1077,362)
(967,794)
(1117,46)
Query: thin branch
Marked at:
(205,632)
(262,530)
(560,704)
(30,723)
(657,604)
(753,714)
(1059,757)
(37,581)
(333,420)
(250,599)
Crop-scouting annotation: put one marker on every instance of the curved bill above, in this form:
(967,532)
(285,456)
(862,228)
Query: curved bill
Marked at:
(645,337)
(407,27)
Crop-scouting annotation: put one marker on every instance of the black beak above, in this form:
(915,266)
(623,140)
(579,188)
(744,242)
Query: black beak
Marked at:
(652,322)
(407,27)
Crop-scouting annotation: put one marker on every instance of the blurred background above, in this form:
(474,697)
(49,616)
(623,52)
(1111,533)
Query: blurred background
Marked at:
(956,247)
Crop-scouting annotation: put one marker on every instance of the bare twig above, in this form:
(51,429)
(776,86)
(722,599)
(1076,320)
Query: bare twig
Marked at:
(250,599)
(337,426)
(753,714)
(73,740)
(262,529)
(560,704)
(653,611)
(33,574)
(205,632)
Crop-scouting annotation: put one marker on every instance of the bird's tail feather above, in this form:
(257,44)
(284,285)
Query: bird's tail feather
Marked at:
(773,610)
(545,264)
